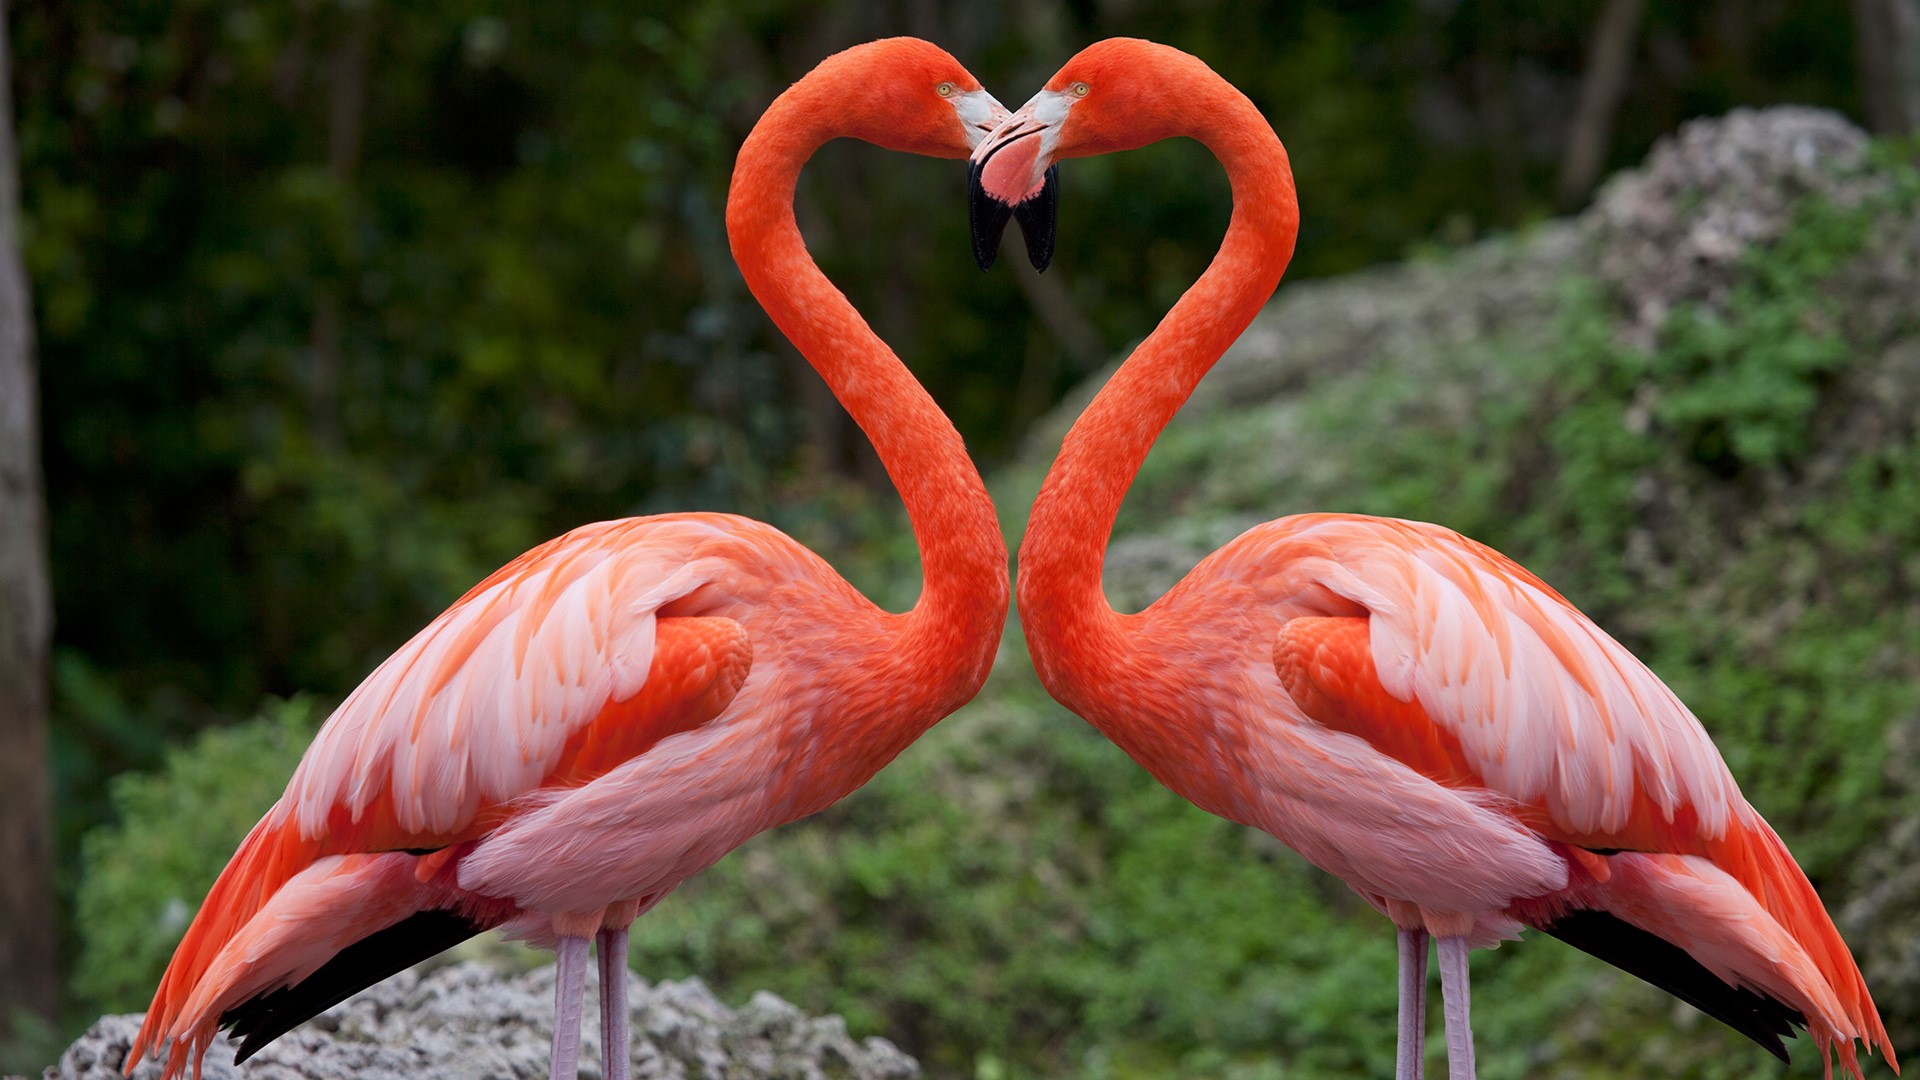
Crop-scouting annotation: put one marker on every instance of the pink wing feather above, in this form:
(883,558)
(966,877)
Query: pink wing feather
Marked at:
(1451,657)
(478,707)
(1546,708)
(559,666)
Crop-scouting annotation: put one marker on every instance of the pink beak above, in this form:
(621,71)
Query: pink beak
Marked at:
(1009,159)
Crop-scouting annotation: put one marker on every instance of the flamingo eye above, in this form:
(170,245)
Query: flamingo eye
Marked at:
(1079,89)
(945,89)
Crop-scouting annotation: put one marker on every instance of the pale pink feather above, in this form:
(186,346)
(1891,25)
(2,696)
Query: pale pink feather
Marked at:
(1548,708)
(479,704)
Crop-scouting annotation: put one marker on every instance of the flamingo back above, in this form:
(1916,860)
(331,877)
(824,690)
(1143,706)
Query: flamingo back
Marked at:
(557,668)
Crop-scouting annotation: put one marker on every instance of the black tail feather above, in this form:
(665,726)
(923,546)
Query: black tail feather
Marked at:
(1667,966)
(260,1020)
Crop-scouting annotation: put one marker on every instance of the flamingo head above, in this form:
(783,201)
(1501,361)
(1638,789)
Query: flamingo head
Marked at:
(1116,94)
(909,95)
(912,96)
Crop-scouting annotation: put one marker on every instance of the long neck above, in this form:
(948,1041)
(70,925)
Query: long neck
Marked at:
(956,622)
(1062,606)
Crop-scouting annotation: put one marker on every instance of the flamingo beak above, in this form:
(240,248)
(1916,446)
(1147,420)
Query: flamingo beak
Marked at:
(1036,214)
(991,176)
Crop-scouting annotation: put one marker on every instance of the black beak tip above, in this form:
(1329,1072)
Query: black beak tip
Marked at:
(1037,217)
(987,217)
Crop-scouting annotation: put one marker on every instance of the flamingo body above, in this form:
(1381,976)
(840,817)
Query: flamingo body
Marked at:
(1408,709)
(1441,730)
(601,719)
(616,709)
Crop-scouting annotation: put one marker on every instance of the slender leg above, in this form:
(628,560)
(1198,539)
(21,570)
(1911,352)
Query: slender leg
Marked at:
(569,990)
(1453,990)
(1413,1006)
(616,1040)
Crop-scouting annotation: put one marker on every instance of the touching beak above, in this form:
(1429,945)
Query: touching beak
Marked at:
(1035,209)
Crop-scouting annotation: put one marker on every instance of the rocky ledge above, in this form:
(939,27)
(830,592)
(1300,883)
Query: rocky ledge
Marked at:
(469,1021)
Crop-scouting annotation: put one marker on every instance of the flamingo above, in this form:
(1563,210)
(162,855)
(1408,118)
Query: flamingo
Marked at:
(613,711)
(1408,709)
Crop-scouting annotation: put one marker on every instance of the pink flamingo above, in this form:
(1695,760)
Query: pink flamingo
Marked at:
(1408,709)
(615,710)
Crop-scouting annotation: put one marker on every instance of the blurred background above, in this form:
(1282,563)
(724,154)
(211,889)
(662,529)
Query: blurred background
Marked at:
(339,304)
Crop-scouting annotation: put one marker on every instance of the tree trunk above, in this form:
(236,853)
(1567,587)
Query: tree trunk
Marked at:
(1886,35)
(1609,62)
(28,975)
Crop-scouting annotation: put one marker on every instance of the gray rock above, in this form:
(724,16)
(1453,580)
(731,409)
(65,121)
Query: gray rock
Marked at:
(1403,315)
(468,1020)
(1676,229)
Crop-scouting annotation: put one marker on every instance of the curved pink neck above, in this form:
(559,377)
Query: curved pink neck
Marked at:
(1070,626)
(963,605)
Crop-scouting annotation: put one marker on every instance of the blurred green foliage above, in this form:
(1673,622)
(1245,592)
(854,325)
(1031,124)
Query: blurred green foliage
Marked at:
(343,303)
(146,875)
(1013,897)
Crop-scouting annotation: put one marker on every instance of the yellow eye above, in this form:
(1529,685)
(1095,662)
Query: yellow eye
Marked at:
(945,89)
(1079,89)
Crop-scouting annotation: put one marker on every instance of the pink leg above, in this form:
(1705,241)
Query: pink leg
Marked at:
(1453,991)
(569,990)
(1413,1006)
(616,1038)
